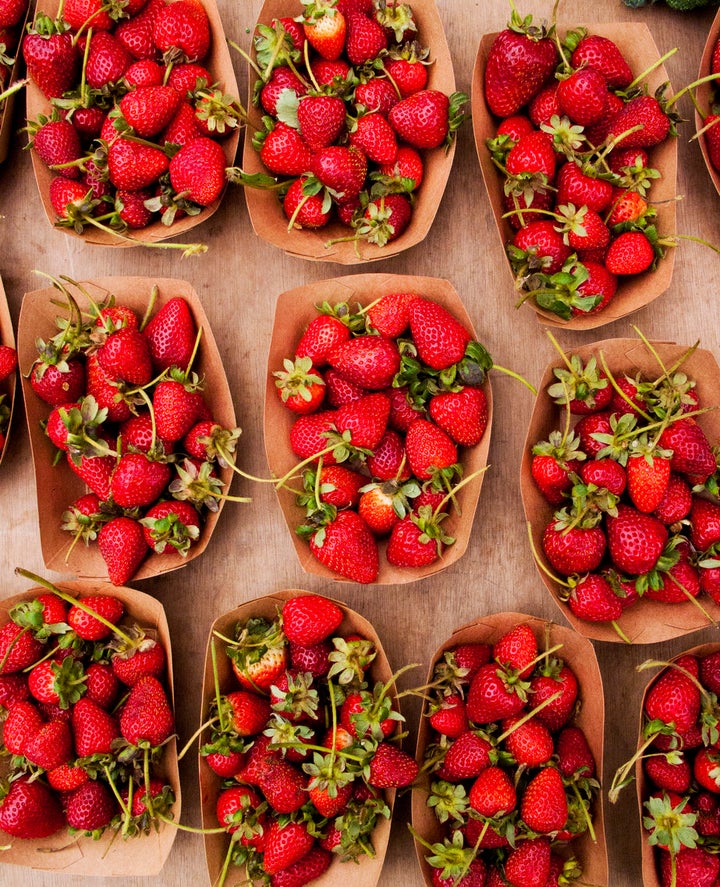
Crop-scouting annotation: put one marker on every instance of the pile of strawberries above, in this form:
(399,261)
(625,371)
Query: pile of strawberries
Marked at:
(512,778)
(574,148)
(681,777)
(130,418)
(12,17)
(711,119)
(86,719)
(349,115)
(388,398)
(8,366)
(634,481)
(133,130)
(303,745)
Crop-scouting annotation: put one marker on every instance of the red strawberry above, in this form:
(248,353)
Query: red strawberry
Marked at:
(556,676)
(583,95)
(576,187)
(175,524)
(517,648)
(107,60)
(644,111)
(322,336)
(57,142)
(284,152)
(492,793)
(171,334)
(125,356)
(181,31)
(85,625)
(147,659)
(68,196)
(133,166)
(691,867)
(347,546)
(67,777)
(325,28)
(91,807)
(19,648)
(94,729)
(138,481)
(530,742)
(309,619)
(493,695)
(285,844)
(592,598)
(136,33)
(311,866)
(248,710)
(674,698)
(532,156)
(540,244)
(528,865)
(58,384)
(449,716)
(691,452)
(415,542)
(149,109)
(630,253)
(321,119)
(13,688)
(429,449)
(281,78)
(544,807)
(573,550)
(462,414)
(575,759)
(51,746)
(374,136)
(144,72)
(385,218)
(102,685)
(648,476)
(147,716)
(366,420)
(466,757)
(122,544)
(30,810)
(303,208)
(423,118)
(635,540)
(439,337)
(391,767)
(197,171)
(175,408)
(23,721)
(50,55)
(364,39)
(602,54)
(341,169)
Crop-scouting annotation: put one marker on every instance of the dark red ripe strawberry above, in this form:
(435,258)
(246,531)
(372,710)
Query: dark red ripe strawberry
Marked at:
(285,845)
(94,729)
(422,119)
(635,540)
(583,95)
(491,697)
(171,334)
(462,414)
(91,807)
(149,109)
(85,625)
(347,546)
(644,111)
(197,171)
(52,61)
(517,67)
(439,337)
(594,51)
(369,361)
(691,451)
(18,648)
(542,242)
(321,119)
(674,698)
(428,449)
(391,767)
(147,715)
(311,866)
(30,810)
(576,550)
(181,31)
(309,619)
(57,142)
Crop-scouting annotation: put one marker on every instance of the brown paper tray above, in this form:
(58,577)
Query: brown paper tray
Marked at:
(294,310)
(220,66)
(363,874)
(109,856)
(266,212)
(650,874)
(9,386)
(633,293)
(579,655)
(704,95)
(58,486)
(646,622)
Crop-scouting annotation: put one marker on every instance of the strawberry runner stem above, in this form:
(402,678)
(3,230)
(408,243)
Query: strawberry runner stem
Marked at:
(530,714)
(75,602)
(656,64)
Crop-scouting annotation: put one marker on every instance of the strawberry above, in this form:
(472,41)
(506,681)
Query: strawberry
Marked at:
(462,414)
(303,208)
(91,807)
(321,119)
(325,27)
(284,152)
(175,524)
(311,866)
(341,169)
(181,31)
(691,867)
(309,435)
(691,451)
(22,723)
(575,759)
(646,112)
(13,688)
(592,598)
(429,449)
(493,695)
(149,109)
(30,810)
(147,659)
(391,767)
(50,56)
(517,649)
(10,14)
(58,383)
(635,540)
(145,73)
(171,334)
(94,729)
(147,716)
(554,676)
(57,143)
(67,777)
(347,546)
(281,78)
(492,793)
(85,625)
(309,619)
(704,523)
(133,165)
(122,544)
(423,119)
(249,711)
(365,39)
(50,747)
(583,95)
(175,407)
(285,845)
(107,60)
(365,419)
(630,253)
(8,361)
(528,865)
(385,219)
(466,757)
(449,717)
(416,541)
(538,243)
(601,53)
(138,481)
(102,684)
(53,680)
(573,550)
(648,477)
(575,186)
(674,699)
(377,508)
(544,807)
(440,338)
(519,62)
(673,776)
(530,742)
(322,336)
(19,648)
(197,171)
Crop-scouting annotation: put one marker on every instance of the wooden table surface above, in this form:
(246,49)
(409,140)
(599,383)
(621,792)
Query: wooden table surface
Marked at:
(238,280)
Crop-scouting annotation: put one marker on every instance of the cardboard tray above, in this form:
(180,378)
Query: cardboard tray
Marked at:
(580,656)
(646,622)
(633,293)
(366,872)
(293,312)
(220,66)
(9,386)
(650,873)
(266,212)
(109,856)
(704,94)
(56,485)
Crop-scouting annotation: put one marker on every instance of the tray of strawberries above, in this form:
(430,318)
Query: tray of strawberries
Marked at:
(706,101)
(580,166)
(510,747)
(122,153)
(8,370)
(88,740)
(298,759)
(378,414)
(676,769)
(352,125)
(619,481)
(124,393)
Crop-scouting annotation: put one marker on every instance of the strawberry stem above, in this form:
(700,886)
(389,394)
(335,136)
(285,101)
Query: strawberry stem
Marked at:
(655,64)
(528,715)
(75,602)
